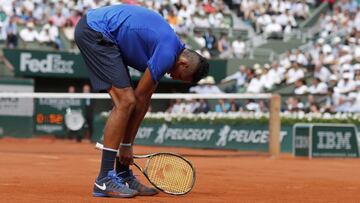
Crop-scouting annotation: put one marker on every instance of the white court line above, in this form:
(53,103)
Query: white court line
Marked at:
(9,184)
(48,157)
(42,156)
(94,160)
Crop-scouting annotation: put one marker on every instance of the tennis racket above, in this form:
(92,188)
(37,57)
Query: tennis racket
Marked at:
(168,172)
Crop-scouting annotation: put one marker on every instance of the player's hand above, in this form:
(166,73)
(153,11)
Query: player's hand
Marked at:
(126,155)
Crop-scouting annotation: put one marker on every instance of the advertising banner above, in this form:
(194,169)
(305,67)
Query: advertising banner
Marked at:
(50,113)
(16,114)
(242,137)
(37,63)
(334,141)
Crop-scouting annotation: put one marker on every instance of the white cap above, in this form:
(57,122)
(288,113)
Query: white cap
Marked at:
(320,41)
(256,66)
(287,65)
(333,77)
(267,66)
(30,25)
(210,80)
(258,72)
(202,81)
(336,40)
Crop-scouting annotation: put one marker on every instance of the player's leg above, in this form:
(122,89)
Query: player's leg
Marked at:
(124,102)
(126,173)
(107,71)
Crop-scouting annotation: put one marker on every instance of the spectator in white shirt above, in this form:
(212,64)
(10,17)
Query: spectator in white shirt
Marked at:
(251,105)
(199,39)
(285,61)
(239,76)
(206,86)
(277,73)
(282,19)
(295,73)
(318,87)
(321,72)
(266,79)
(29,34)
(238,47)
(191,105)
(178,107)
(273,28)
(300,58)
(300,87)
(255,85)
(301,10)
(184,13)
(201,20)
(68,31)
(28,5)
(262,21)
(44,35)
(216,19)
(294,105)
(345,85)
(355,98)
(343,105)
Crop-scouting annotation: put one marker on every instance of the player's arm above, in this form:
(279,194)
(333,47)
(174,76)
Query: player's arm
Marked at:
(143,93)
(146,87)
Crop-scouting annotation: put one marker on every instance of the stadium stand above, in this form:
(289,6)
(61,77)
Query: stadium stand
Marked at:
(317,43)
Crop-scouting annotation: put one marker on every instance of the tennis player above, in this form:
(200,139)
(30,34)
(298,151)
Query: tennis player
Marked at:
(110,39)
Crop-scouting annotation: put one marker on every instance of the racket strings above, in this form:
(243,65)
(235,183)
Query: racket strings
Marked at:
(171,173)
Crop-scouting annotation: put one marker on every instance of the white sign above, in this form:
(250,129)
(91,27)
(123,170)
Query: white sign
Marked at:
(334,140)
(190,134)
(227,134)
(16,106)
(52,64)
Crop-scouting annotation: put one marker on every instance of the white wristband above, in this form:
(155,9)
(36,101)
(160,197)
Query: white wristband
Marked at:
(125,144)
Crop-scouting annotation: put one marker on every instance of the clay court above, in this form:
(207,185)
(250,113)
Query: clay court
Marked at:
(49,170)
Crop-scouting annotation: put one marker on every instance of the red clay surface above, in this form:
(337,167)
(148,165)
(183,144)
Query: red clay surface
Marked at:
(48,170)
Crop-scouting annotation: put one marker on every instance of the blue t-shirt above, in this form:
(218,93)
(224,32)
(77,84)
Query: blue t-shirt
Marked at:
(144,38)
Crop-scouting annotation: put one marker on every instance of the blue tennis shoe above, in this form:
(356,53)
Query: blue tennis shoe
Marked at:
(129,178)
(112,186)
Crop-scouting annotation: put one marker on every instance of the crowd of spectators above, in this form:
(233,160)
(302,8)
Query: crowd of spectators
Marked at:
(275,17)
(44,20)
(329,67)
(221,47)
(220,106)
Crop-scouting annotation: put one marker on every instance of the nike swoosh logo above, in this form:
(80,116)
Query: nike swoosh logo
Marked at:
(103,187)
